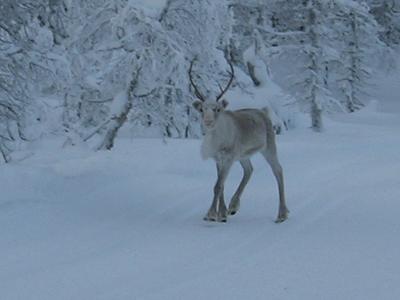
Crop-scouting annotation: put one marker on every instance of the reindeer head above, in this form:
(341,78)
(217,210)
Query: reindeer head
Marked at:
(210,110)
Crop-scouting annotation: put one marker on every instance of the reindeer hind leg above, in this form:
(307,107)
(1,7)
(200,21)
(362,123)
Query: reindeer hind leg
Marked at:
(276,167)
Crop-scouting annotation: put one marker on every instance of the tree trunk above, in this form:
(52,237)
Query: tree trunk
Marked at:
(316,116)
(118,120)
(253,76)
(115,124)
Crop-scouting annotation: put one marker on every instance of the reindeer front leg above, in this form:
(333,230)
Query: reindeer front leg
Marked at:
(218,211)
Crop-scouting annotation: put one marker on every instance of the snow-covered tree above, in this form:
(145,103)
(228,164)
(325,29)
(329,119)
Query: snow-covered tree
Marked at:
(387,14)
(313,85)
(67,67)
(361,40)
(25,69)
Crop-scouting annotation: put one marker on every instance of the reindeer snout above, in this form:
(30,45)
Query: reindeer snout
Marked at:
(208,123)
(208,120)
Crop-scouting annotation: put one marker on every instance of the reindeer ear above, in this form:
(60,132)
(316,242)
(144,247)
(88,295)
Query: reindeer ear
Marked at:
(224,103)
(198,105)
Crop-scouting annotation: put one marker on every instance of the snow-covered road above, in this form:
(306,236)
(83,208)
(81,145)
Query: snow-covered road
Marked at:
(127,224)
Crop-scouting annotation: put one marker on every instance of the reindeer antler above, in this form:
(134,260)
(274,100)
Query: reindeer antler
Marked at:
(232,74)
(196,91)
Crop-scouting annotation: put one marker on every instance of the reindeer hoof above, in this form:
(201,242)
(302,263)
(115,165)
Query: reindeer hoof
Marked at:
(210,219)
(233,210)
(233,207)
(281,219)
(222,219)
(282,215)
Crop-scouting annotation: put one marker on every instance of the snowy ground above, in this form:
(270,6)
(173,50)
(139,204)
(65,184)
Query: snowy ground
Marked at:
(127,224)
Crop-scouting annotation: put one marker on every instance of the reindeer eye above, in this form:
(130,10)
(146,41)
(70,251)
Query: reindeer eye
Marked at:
(218,109)
(201,110)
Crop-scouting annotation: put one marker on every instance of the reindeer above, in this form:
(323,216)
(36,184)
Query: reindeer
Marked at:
(235,136)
